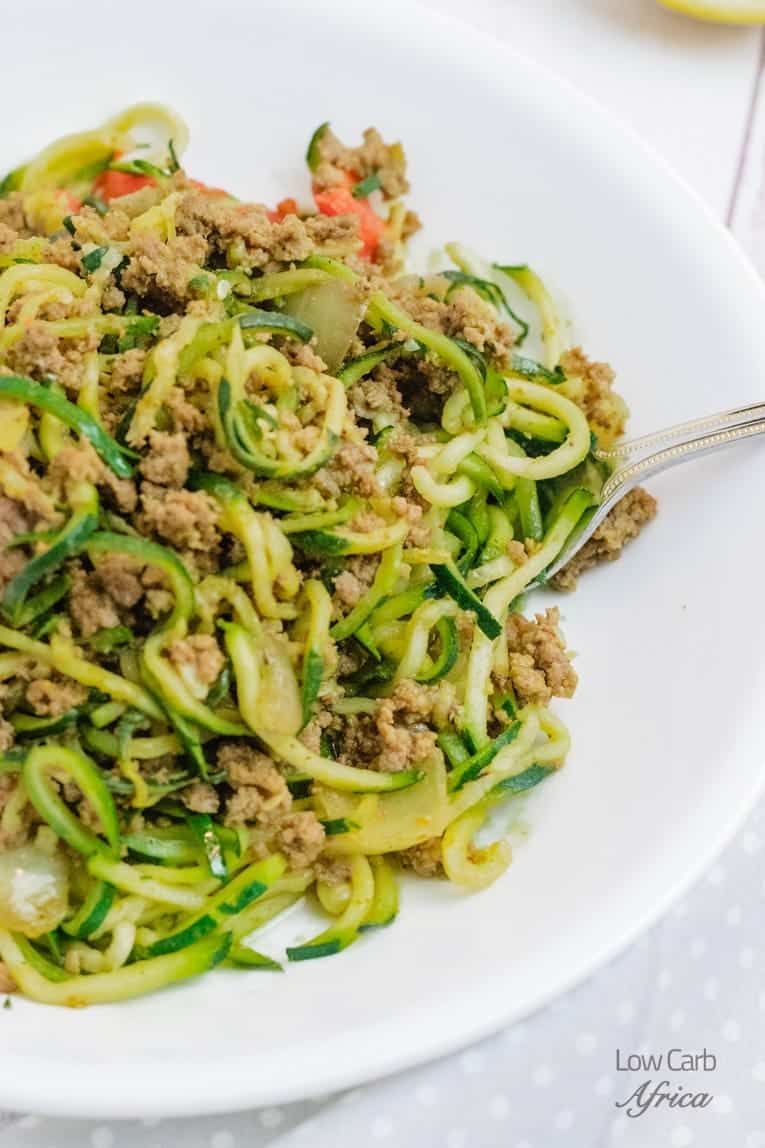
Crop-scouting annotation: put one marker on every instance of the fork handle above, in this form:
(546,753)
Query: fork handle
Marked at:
(685,432)
(625,477)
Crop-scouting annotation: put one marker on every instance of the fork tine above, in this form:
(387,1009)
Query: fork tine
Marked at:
(731,427)
(683,432)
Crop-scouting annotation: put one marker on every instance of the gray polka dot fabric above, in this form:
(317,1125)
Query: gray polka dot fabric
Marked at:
(663,1048)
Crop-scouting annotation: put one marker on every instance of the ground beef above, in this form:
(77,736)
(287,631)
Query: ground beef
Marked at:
(301,838)
(424,859)
(12,211)
(471,318)
(463,314)
(333,870)
(351,469)
(51,698)
(378,392)
(303,355)
(260,803)
(9,237)
(406,445)
(260,791)
(42,356)
(397,735)
(372,157)
(412,511)
(367,521)
(187,519)
(7,735)
(113,298)
(76,464)
(183,414)
(163,271)
(90,227)
(159,600)
(405,739)
(333,234)
(516,552)
(202,653)
(201,797)
(220,221)
(91,607)
(63,253)
(127,371)
(14,519)
(590,386)
(120,577)
(539,665)
(353,582)
(624,523)
(312,733)
(167,462)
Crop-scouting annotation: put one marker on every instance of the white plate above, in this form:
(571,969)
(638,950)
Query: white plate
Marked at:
(668,748)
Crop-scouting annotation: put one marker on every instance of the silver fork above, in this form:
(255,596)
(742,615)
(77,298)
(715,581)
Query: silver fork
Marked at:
(637,460)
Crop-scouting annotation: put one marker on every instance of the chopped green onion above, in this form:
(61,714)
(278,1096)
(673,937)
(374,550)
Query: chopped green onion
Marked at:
(366,186)
(92,261)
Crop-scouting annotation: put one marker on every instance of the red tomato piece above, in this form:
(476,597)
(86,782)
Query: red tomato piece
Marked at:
(113,184)
(339,201)
(284,207)
(70,202)
(197,183)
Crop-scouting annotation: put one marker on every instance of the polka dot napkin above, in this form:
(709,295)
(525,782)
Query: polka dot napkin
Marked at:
(694,984)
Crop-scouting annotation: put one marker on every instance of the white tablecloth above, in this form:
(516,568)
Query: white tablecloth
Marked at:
(697,980)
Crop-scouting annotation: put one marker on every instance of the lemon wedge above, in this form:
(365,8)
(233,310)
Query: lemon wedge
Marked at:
(721,11)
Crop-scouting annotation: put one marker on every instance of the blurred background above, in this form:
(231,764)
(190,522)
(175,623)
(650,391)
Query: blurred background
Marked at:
(692,89)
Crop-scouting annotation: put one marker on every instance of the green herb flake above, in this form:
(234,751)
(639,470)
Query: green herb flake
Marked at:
(200,284)
(337,825)
(138,332)
(109,638)
(92,261)
(96,203)
(531,369)
(366,186)
(7,1003)
(140,167)
(67,222)
(172,161)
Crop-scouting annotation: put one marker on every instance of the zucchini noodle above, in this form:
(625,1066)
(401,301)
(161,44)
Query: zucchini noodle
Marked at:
(271,509)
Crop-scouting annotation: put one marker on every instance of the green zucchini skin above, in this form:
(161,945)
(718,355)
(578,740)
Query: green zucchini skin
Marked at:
(522,781)
(221,908)
(313,154)
(474,765)
(72,540)
(27,726)
(327,948)
(451,582)
(313,673)
(446,629)
(136,979)
(27,391)
(92,913)
(245,957)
